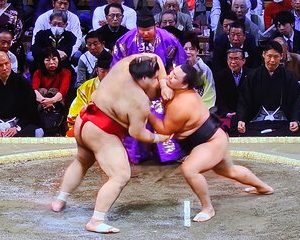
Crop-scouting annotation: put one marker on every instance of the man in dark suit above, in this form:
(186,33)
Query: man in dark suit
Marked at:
(56,37)
(237,38)
(285,22)
(228,82)
(113,30)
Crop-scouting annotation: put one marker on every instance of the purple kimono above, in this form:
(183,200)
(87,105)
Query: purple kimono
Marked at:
(165,45)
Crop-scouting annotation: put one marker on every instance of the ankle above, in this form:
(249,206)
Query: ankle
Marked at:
(63,196)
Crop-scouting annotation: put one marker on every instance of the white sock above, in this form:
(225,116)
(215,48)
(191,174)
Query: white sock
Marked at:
(63,196)
(99,215)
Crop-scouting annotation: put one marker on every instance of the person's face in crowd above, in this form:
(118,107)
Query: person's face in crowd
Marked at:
(51,63)
(296,5)
(114,17)
(167,20)
(171,5)
(57,25)
(101,72)
(191,52)
(226,25)
(272,59)
(150,86)
(5,66)
(94,46)
(235,61)
(285,29)
(175,79)
(3,3)
(62,5)
(5,41)
(240,8)
(236,37)
(148,34)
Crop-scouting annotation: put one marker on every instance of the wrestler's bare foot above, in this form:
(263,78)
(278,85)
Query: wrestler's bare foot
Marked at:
(262,190)
(100,227)
(58,205)
(204,215)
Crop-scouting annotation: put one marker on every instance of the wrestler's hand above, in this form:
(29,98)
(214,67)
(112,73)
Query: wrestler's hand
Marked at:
(294,126)
(241,127)
(161,137)
(166,92)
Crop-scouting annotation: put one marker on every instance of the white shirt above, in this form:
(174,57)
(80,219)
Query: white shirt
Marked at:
(86,63)
(297,21)
(291,38)
(14,61)
(43,23)
(129,18)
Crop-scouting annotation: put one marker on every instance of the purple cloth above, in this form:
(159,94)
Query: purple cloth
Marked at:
(165,45)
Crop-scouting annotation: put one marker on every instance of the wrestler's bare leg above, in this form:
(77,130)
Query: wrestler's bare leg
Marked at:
(112,158)
(243,175)
(203,158)
(75,172)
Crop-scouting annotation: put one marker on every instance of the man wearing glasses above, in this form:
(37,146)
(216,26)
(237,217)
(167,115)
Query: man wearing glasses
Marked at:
(128,20)
(112,30)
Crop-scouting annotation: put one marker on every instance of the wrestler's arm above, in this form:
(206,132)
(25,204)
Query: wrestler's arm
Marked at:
(137,127)
(174,120)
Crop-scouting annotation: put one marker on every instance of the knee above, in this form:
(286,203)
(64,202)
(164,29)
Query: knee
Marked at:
(122,179)
(187,171)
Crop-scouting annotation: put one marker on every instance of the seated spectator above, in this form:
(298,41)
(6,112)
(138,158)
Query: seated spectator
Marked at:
(291,61)
(284,22)
(207,89)
(6,38)
(159,6)
(84,92)
(112,30)
(184,21)
(43,23)
(57,37)
(87,61)
(226,19)
(168,22)
(51,84)
(237,38)
(241,7)
(128,20)
(228,83)
(269,100)
(274,7)
(296,13)
(18,108)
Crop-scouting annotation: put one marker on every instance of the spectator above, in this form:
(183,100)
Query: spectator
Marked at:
(128,20)
(273,8)
(148,38)
(226,19)
(296,12)
(269,101)
(291,61)
(18,108)
(207,89)
(237,38)
(284,22)
(6,38)
(184,20)
(87,61)
(43,23)
(51,83)
(168,22)
(241,7)
(57,36)
(159,6)
(84,92)
(112,30)
(228,83)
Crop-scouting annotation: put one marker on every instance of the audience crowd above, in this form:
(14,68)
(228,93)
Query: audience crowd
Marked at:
(247,54)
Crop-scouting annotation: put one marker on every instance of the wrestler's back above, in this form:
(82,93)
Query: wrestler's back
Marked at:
(118,95)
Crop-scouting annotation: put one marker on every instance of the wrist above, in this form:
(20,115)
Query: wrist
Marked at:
(155,138)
